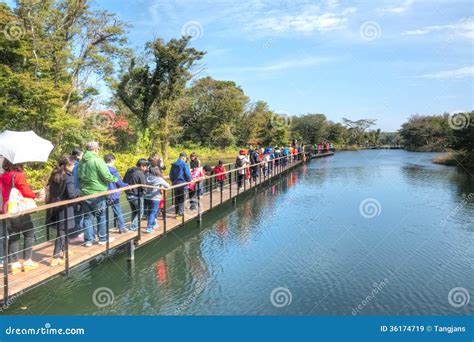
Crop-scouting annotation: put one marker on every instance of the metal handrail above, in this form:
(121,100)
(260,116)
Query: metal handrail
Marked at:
(129,187)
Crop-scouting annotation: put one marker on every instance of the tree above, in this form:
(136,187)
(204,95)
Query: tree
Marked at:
(275,130)
(310,128)
(431,133)
(337,133)
(213,112)
(254,118)
(357,129)
(152,84)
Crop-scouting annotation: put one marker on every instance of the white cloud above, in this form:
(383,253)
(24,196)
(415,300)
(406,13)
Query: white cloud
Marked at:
(278,66)
(401,8)
(454,73)
(463,28)
(306,21)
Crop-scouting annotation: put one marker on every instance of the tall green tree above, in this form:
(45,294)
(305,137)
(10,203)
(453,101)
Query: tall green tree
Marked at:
(214,112)
(151,85)
(357,129)
(310,128)
(429,132)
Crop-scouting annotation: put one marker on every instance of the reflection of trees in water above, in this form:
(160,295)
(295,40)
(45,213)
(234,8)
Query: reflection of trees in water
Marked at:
(460,179)
(464,181)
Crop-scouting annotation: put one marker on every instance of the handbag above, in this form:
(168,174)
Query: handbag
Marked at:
(17,203)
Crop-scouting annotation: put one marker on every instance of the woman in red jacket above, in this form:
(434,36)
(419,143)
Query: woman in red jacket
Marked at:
(21,224)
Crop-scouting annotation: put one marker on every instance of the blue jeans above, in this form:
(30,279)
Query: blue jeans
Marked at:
(95,207)
(153,209)
(118,216)
(134,203)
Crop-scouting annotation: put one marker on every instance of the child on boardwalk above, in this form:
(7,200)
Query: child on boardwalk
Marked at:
(153,195)
(219,171)
(196,174)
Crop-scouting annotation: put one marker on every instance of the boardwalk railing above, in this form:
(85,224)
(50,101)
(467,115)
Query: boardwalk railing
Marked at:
(43,228)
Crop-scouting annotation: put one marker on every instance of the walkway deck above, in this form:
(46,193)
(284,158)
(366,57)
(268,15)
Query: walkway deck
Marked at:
(20,282)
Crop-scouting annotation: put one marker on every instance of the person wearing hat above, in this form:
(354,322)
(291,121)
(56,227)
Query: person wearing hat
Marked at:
(136,175)
(180,174)
(241,164)
(94,177)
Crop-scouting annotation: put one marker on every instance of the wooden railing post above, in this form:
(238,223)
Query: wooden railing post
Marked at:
(66,242)
(164,210)
(6,261)
(107,230)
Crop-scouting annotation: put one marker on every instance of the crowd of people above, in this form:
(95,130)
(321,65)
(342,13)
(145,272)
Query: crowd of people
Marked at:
(86,173)
(323,147)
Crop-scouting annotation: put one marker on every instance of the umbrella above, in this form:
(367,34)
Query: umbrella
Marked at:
(21,147)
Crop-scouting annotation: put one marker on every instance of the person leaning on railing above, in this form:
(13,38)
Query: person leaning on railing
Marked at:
(114,199)
(14,177)
(61,188)
(94,177)
(136,175)
(180,174)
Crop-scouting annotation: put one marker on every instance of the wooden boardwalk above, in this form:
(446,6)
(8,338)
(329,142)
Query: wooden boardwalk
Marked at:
(79,254)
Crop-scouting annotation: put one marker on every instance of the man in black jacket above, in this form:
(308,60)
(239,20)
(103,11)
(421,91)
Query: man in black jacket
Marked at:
(133,176)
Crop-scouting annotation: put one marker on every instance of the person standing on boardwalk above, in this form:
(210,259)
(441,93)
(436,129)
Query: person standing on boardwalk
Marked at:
(114,199)
(134,176)
(76,234)
(94,177)
(180,174)
(254,156)
(153,160)
(241,164)
(153,195)
(61,188)
(219,170)
(15,178)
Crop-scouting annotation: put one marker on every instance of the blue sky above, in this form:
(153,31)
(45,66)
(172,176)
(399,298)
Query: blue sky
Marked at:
(356,59)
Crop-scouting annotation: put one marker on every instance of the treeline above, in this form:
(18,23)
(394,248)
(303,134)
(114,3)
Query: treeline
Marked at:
(57,56)
(442,133)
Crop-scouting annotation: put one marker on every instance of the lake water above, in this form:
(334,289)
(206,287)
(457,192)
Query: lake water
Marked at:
(376,232)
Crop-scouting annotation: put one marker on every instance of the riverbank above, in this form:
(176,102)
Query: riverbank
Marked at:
(455,158)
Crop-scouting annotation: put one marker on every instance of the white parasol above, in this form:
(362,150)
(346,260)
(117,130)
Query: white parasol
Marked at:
(21,147)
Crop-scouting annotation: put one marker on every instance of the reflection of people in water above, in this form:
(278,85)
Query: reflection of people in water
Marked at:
(292,180)
(222,228)
(160,271)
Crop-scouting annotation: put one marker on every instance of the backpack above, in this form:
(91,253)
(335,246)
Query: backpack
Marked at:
(239,162)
